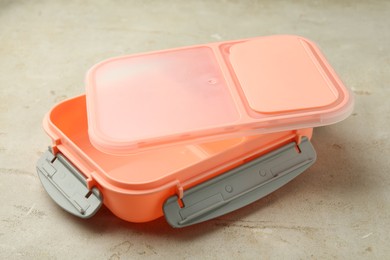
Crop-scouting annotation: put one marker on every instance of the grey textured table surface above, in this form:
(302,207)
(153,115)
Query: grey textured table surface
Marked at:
(339,208)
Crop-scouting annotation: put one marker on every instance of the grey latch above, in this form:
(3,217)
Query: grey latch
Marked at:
(240,186)
(67,186)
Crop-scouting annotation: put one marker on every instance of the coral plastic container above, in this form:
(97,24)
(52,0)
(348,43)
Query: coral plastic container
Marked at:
(191,133)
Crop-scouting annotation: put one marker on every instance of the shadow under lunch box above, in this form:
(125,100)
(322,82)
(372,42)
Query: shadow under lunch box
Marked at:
(190,133)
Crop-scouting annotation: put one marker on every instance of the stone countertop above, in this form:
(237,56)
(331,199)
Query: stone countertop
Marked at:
(339,208)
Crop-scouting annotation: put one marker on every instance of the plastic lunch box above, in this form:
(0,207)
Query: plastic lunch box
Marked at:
(190,133)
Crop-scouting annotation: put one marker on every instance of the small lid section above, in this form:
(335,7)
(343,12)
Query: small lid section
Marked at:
(287,71)
(210,92)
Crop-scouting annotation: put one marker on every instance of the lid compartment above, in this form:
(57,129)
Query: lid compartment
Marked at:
(280,75)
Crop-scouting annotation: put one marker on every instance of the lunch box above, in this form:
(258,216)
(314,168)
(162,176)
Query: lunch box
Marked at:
(190,133)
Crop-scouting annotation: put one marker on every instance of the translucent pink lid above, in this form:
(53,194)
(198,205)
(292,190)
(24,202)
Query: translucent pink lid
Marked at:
(211,92)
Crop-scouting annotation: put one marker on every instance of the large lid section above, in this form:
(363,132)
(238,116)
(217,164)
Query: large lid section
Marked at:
(210,92)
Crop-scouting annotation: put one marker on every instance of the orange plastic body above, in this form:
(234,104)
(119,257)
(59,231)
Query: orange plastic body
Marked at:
(135,186)
(155,124)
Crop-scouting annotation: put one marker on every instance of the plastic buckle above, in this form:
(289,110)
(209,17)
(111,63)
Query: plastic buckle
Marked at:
(67,186)
(240,186)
